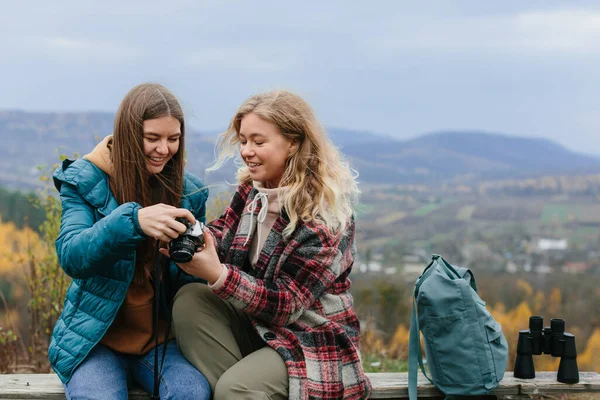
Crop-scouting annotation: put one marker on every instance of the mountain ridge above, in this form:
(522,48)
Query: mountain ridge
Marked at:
(31,138)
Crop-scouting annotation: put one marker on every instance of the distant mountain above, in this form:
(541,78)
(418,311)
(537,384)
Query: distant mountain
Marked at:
(30,139)
(346,137)
(465,156)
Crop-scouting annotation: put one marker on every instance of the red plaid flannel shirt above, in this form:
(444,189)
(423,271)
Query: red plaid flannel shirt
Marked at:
(297,296)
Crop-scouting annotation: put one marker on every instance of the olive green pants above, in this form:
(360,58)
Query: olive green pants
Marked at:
(221,342)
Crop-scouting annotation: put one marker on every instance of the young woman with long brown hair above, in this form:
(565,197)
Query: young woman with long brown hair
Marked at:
(118,202)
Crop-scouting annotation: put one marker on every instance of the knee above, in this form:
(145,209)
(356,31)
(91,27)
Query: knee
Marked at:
(190,293)
(229,387)
(188,300)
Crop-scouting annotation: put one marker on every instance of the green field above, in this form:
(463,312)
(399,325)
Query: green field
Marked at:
(555,214)
(465,213)
(425,210)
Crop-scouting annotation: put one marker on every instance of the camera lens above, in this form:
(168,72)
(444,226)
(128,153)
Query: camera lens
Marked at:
(181,256)
(182,249)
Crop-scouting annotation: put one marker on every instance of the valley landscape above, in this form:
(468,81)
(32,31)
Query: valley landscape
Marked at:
(523,213)
(435,192)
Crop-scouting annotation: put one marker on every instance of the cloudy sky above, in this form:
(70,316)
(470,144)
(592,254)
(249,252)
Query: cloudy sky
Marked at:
(399,68)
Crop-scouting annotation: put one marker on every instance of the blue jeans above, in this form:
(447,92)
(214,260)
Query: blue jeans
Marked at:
(106,374)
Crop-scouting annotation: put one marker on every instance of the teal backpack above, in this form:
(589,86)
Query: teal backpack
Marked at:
(465,348)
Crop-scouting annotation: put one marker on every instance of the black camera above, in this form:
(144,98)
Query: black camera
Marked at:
(551,340)
(182,249)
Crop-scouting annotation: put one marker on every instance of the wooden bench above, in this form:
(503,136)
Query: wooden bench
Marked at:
(385,386)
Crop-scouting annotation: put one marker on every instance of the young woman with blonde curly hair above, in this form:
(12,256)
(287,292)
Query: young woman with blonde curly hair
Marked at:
(276,319)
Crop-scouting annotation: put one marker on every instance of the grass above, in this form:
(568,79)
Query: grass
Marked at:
(426,209)
(465,212)
(376,363)
(582,235)
(391,218)
(555,214)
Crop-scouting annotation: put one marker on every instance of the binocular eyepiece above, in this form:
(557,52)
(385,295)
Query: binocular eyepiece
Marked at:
(551,340)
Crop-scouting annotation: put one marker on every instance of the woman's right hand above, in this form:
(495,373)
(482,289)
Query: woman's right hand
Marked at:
(158,221)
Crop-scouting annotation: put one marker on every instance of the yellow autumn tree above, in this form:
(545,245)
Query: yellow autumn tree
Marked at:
(539,303)
(525,286)
(371,341)
(398,346)
(34,264)
(512,322)
(554,304)
(498,308)
(589,360)
(15,246)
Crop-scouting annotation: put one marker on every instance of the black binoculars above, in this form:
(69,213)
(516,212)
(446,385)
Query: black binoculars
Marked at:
(551,340)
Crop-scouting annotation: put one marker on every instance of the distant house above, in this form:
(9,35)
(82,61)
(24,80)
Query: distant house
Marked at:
(414,263)
(543,269)
(576,267)
(413,269)
(373,266)
(511,267)
(544,245)
(411,259)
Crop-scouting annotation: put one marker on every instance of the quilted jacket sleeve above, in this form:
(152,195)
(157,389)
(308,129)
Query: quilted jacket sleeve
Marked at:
(318,263)
(84,247)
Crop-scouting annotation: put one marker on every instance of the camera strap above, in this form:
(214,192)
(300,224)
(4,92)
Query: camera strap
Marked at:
(157,277)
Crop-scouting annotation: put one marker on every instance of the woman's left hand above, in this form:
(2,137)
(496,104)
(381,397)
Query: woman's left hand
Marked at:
(205,264)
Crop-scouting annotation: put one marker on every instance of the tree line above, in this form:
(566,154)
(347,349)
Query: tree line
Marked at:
(21,208)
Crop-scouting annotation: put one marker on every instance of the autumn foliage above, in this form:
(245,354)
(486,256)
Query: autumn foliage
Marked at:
(380,344)
(32,287)
(32,290)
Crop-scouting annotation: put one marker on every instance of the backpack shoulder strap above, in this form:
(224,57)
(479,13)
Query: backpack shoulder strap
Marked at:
(414,351)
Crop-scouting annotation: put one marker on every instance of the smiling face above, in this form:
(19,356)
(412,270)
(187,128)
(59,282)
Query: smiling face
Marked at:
(161,142)
(264,150)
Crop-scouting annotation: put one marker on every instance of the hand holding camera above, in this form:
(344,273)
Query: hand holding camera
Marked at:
(159,221)
(182,249)
(195,253)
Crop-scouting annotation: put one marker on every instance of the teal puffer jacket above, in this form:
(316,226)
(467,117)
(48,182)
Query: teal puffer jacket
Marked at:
(96,248)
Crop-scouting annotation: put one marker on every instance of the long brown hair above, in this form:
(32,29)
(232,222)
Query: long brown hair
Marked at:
(130,180)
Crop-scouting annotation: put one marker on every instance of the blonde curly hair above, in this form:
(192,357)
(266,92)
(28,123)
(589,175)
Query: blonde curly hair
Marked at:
(319,184)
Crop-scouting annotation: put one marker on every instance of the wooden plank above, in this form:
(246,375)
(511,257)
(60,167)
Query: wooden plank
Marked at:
(392,385)
(546,383)
(385,386)
(395,386)
(42,386)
